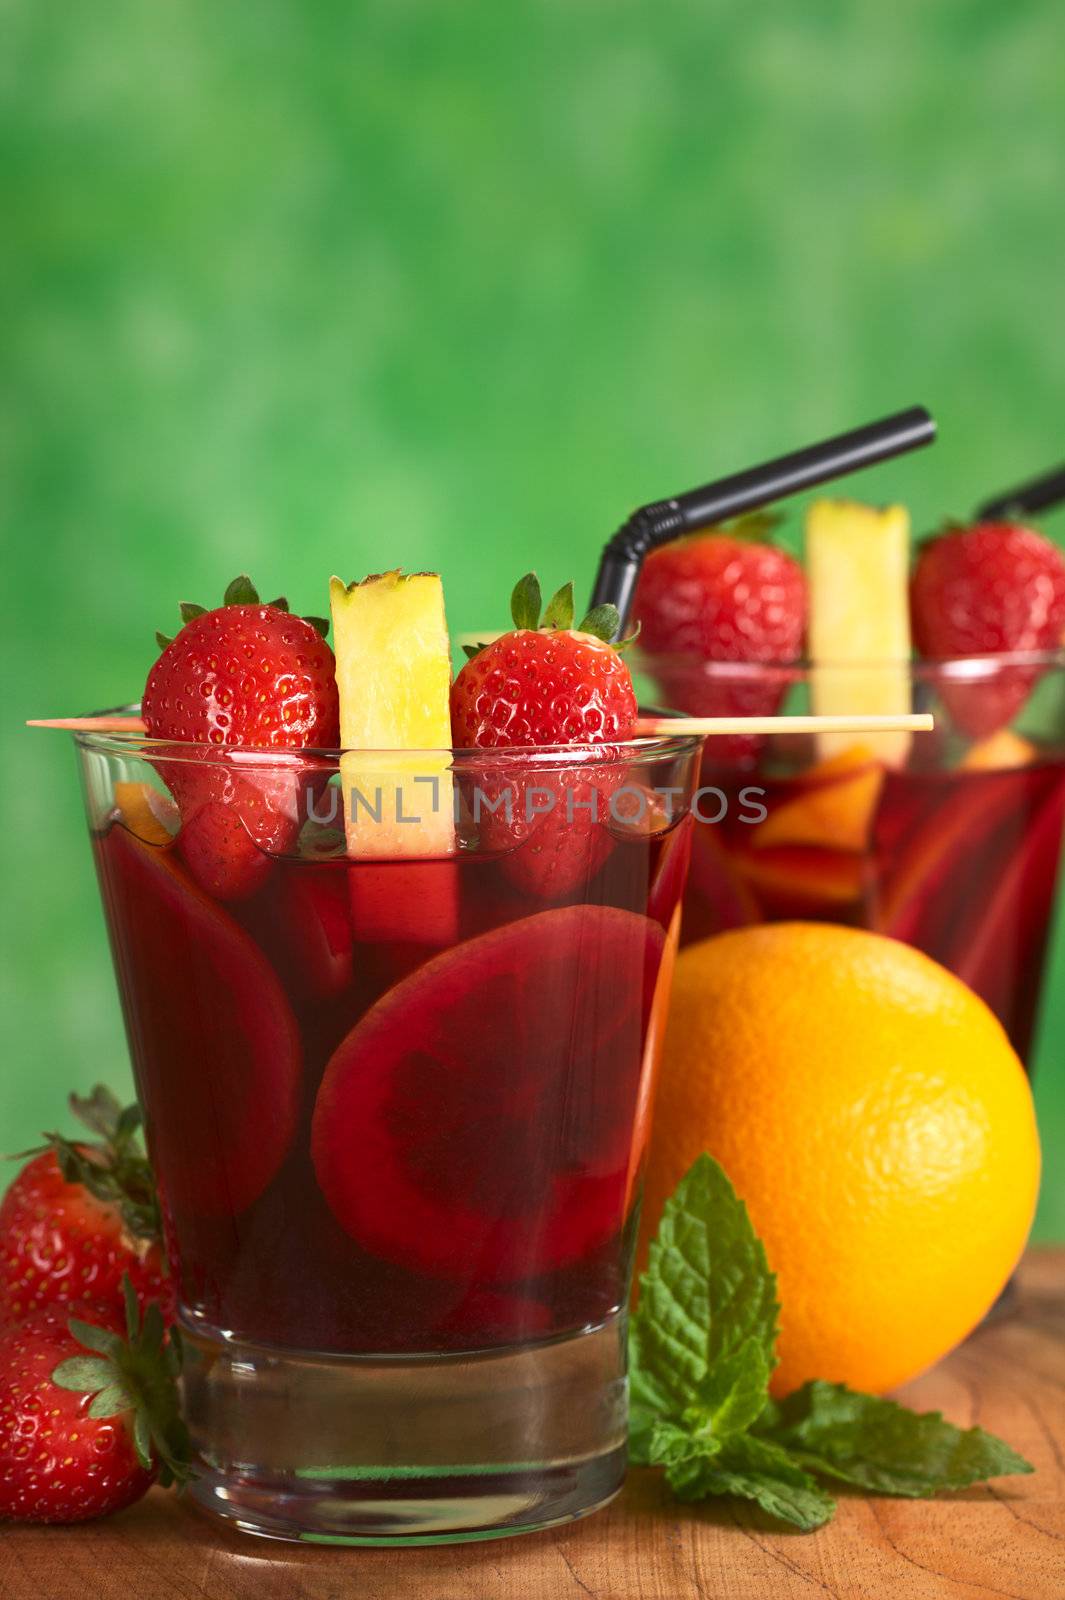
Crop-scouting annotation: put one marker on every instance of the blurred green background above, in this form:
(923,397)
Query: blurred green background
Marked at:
(301,287)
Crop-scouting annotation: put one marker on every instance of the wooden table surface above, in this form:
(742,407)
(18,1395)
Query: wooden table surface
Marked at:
(1002,1540)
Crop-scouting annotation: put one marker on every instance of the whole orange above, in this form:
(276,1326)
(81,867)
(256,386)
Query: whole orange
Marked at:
(869,1108)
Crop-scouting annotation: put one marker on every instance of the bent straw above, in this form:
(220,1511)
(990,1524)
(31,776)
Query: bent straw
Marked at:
(662,727)
(1038,494)
(646,727)
(655,524)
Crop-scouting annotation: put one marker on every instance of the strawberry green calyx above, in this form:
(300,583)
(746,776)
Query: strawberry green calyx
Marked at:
(526,607)
(115,1169)
(135,1375)
(241,592)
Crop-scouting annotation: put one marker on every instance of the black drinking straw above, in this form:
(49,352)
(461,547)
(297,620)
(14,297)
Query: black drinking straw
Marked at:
(651,525)
(1038,494)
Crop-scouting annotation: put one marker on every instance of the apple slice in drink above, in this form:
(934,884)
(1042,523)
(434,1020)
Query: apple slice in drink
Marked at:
(393,666)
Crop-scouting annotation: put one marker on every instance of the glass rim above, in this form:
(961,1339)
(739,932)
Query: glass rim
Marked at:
(616,752)
(968,667)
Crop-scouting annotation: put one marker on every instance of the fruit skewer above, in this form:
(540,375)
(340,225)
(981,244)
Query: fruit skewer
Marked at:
(646,727)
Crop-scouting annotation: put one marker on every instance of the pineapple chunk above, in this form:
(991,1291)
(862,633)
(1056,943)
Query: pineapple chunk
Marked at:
(393,665)
(857,566)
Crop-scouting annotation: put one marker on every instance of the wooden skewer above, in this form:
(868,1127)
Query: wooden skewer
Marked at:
(90,724)
(658,727)
(646,727)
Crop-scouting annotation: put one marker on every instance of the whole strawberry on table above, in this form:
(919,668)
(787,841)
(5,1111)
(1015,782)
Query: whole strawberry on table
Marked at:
(89,1415)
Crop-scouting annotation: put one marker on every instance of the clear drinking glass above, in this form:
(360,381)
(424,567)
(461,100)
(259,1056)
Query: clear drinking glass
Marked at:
(948,840)
(397,1110)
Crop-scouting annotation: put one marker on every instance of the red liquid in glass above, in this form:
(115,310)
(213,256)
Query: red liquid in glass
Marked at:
(962,864)
(394,1107)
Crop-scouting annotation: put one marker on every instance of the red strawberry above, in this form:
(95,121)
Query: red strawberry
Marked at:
(245,677)
(992,588)
(722,596)
(549,685)
(79,1216)
(88,1419)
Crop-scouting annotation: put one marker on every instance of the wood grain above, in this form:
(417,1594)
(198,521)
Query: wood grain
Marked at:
(1005,1540)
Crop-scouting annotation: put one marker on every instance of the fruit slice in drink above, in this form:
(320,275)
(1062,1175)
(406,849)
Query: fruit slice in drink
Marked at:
(394,675)
(857,565)
(833,806)
(213,1036)
(393,667)
(476,1123)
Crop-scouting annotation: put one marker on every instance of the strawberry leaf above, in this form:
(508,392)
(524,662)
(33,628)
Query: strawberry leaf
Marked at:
(115,1171)
(189,611)
(630,638)
(525,602)
(83,1373)
(105,1340)
(319,624)
(280,604)
(241,592)
(602,622)
(560,608)
(472,650)
(162,640)
(137,1375)
(111,1401)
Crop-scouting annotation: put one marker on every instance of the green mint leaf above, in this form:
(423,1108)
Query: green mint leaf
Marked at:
(84,1374)
(883,1447)
(319,624)
(706,1292)
(525,602)
(753,1469)
(560,608)
(673,1445)
(602,621)
(733,1395)
(731,1398)
(189,611)
(241,592)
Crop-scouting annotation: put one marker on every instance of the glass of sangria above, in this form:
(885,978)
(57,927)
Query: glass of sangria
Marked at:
(950,841)
(397,1110)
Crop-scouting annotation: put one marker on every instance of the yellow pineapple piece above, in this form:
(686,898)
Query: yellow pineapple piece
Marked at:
(393,666)
(857,567)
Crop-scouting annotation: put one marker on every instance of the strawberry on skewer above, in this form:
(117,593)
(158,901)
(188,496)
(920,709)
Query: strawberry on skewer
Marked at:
(546,684)
(248,677)
(989,589)
(723,596)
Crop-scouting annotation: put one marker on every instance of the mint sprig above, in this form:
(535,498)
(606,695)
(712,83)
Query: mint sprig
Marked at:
(701,1350)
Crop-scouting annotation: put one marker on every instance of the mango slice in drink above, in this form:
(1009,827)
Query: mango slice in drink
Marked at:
(857,567)
(393,665)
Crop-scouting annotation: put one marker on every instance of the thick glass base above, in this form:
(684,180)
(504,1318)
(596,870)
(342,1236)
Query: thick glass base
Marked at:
(407,1449)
